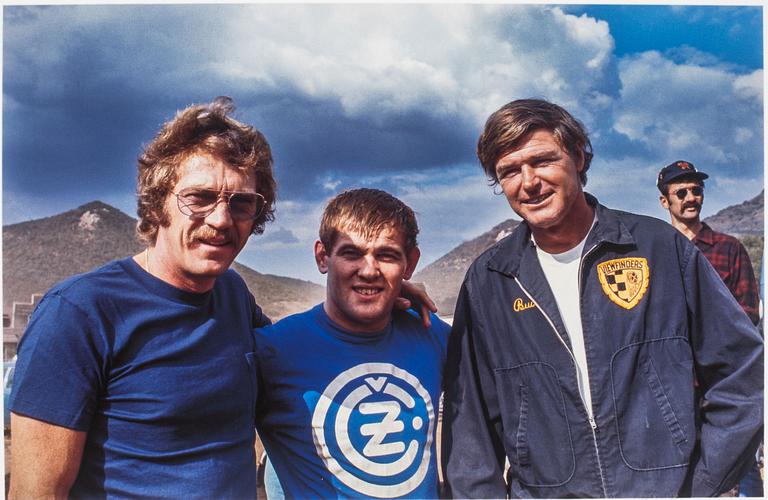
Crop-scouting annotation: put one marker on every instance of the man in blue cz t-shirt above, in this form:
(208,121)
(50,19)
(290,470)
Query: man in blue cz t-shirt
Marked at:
(349,390)
(137,379)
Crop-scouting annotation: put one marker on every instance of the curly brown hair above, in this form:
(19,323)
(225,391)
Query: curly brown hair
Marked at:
(201,129)
(511,124)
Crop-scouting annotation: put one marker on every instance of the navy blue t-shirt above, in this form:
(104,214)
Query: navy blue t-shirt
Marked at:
(351,415)
(161,379)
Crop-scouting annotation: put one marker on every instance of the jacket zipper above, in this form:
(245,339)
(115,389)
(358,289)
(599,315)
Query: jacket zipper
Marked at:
(591,412)
(590,416)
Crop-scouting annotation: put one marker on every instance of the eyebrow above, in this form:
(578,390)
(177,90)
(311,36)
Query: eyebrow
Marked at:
(385,248)
(347,246)
(392,249)
(535,158)
(204,188)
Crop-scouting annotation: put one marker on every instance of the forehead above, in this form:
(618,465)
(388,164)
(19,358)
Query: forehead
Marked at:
(388,237)
(206,171)
(539,143)
(686,183)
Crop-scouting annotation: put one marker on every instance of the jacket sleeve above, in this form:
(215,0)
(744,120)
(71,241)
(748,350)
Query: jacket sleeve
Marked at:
(728,354)
(472,451)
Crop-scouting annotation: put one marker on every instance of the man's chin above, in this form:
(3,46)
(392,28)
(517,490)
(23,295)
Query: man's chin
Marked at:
(690,217)
(370,319)
(213,267)
(540,220)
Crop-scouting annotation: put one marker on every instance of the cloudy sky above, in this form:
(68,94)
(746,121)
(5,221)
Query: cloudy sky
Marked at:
(386,96)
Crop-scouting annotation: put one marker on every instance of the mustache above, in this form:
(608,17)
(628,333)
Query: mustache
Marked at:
(692,204)
(209,233)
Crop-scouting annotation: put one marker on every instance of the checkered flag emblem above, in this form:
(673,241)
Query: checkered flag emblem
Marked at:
(624,281)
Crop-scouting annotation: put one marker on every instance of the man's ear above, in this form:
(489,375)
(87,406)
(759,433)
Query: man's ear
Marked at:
(321,257)
(580,161)
(412,259)
(664,202)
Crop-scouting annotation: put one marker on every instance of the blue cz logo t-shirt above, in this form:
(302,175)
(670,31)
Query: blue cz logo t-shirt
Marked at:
(348,415)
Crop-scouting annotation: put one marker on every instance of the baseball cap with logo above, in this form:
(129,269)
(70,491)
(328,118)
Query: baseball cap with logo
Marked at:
(677,169)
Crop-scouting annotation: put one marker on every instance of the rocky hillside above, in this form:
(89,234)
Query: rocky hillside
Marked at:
(39,253)
(740,220)
(746,222)
(443,277)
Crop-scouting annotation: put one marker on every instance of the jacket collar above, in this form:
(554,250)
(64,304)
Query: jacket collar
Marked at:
(706,235)
(608,229)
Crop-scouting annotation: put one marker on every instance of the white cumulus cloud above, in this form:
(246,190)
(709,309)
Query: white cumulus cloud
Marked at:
(704,113)
(442,60)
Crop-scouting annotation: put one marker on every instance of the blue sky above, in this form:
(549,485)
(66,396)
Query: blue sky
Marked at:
(387,96)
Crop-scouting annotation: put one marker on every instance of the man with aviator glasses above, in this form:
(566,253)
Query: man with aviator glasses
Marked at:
(198,203)
(682,193)
(138,379)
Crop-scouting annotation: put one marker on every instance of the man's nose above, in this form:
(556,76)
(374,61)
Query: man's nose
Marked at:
(220,218)
(369,267)
(530,181)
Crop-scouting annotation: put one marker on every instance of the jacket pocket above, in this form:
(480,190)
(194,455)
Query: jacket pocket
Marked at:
(537,435)
(653,396)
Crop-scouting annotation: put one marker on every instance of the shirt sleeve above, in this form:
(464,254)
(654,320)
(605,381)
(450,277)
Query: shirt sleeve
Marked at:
(728,354)
(441,331)
(258,318)
(60,366)
(472,450)
(743,283)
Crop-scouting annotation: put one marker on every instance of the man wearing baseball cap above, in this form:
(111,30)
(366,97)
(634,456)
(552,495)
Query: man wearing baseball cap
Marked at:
(682,193)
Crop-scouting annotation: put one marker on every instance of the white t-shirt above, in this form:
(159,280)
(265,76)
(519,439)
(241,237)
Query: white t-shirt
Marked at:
(562,273)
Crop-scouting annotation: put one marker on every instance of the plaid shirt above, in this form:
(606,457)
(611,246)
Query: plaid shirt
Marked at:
(729,258)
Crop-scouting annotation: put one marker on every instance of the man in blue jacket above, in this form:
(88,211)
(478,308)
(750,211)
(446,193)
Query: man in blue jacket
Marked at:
(587,389)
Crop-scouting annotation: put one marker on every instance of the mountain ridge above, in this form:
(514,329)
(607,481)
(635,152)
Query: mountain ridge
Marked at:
(40,253)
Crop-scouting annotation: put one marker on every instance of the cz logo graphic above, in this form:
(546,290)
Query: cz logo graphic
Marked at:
(373,428)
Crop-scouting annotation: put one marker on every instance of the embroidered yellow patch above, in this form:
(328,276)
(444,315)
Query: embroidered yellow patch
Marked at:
(624,281)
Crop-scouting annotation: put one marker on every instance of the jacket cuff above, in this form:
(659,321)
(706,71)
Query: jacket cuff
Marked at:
(701,487)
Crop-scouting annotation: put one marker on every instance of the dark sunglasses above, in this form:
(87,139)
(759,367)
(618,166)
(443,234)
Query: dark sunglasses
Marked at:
(683,192)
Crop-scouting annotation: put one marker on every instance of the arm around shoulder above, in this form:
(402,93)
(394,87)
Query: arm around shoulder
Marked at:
(45,458)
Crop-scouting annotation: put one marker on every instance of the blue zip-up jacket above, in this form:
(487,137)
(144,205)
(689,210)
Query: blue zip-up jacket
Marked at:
(656,318)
